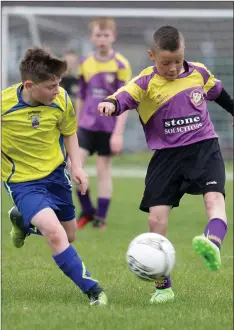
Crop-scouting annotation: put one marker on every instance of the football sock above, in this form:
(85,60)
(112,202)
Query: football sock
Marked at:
(72,266)
(215,231)
(163,283)
(85,201)
(102,207)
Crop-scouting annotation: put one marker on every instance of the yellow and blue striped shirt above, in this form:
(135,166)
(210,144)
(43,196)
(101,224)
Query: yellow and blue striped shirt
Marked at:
(32,137)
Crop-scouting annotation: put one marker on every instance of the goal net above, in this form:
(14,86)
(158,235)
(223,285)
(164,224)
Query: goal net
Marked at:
(208,35)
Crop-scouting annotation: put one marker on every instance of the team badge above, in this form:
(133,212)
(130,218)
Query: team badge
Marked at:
(197,97)
(110,78)
(35,122)
(35,118)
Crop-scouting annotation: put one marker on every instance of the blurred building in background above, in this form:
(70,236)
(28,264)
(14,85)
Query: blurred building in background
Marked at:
(207,28)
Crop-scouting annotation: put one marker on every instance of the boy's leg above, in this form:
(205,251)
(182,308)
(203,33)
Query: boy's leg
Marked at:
(162,191)
(38,202)
(66,256)
(70,227)
(86,142)
(209,244)
(104,178)
(158,223)
(18,233)
(59,227)
(104,183)
(211,183)
(27,197)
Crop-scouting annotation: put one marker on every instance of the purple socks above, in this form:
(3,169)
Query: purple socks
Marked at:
(163,283)
(102,208)
(216,230)
(85,202)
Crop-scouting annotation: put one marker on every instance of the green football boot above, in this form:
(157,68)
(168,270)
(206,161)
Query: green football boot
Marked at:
(17,233)
(97,296)
(162,296)
(208,250)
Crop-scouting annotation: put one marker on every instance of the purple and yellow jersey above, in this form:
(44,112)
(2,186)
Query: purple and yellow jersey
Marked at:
(172,113)
(32,137)
(97,81)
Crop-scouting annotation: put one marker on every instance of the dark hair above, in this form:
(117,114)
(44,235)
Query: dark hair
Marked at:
(39,65)
(167,38)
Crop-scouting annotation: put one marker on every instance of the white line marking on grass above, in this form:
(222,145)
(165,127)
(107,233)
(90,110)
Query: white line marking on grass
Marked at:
(227,257)
(134,172)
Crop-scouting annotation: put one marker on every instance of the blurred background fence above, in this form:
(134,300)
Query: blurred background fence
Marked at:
(207,28)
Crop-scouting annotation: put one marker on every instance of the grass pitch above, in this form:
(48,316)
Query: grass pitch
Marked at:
(36,294)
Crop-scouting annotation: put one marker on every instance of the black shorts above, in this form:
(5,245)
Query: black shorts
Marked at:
(95,142)
(194,169)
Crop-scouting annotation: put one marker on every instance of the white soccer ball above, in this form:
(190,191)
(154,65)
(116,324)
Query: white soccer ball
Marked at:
(150,256)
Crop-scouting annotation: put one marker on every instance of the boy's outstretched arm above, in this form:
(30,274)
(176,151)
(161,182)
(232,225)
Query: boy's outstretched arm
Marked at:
(126,98)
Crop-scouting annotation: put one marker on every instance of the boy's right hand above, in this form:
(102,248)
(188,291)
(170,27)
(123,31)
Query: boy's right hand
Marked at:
(106,108)
(80,178)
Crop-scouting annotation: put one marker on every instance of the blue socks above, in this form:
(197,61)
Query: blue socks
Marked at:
(72,266)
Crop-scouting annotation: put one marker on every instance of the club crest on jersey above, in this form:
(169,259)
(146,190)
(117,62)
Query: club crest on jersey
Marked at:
(35,118)
(110,78)
(35,122)
(196,97)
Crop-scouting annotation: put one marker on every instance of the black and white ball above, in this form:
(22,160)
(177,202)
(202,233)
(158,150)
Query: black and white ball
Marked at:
(150,256)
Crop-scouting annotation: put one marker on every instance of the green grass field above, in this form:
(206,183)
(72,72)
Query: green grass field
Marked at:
(36,295)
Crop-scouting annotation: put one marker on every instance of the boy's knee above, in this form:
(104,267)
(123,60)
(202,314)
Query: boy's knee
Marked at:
(55,235)
(71,237)
(158,219)
(213,200)
(104,167)
(215,205)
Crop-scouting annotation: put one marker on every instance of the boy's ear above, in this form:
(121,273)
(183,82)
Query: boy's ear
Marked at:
(28,84)
(151,55)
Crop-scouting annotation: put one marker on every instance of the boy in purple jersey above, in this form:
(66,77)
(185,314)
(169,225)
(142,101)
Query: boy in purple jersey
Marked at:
(170,98)
(100,75)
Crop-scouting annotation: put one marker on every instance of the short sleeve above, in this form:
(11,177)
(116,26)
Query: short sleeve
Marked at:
(68,124)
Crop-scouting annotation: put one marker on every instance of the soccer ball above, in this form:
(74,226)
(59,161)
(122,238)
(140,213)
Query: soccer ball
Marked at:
(150,256)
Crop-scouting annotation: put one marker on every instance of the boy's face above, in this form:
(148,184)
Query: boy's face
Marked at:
(169,64)
(102,38)
(44,92)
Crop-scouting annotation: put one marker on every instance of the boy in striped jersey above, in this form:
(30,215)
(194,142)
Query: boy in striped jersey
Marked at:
(100,75)
(38,129)
(171,99)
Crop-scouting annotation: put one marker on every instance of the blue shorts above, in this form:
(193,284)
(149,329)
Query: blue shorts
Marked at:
(53,191)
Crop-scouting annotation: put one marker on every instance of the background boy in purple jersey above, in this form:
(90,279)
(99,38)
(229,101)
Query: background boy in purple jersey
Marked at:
(171,101)
(100,75)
